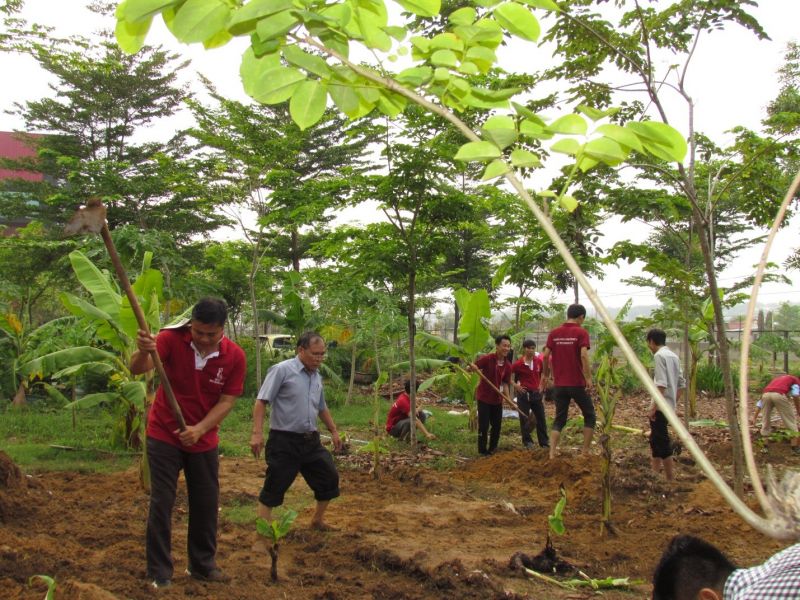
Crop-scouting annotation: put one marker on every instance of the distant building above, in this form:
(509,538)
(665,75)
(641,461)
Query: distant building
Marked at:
(13,146)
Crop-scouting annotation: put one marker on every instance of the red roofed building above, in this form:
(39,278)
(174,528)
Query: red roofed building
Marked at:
(13,146)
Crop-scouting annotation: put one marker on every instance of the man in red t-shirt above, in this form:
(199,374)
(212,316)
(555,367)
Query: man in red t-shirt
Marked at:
(783,394)
(496,368)
(527,379)
(567,355)
(398,422)
(206,371)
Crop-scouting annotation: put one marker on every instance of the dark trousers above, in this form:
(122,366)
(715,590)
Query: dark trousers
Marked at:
(490,417)
(402,429)
(528,402)
(201,470)
(660,444)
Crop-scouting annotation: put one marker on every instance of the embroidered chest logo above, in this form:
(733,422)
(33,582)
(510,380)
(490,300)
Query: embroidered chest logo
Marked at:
(218,379)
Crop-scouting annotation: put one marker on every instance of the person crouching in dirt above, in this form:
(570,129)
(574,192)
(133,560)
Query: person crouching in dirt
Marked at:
(496,368)
(668,377)
(692,569)
(293,389)
(527,372)
(398,421)
(206,371)
(566,354)
(783,394)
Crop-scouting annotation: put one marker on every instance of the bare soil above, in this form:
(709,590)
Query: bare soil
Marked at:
(414,533)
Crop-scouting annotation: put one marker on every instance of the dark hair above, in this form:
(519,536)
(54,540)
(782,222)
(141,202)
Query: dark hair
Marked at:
(308,338)
(500,338)
(657,336)
(529,344)
(575,310)
(688,565)
(211,311)
(407,386)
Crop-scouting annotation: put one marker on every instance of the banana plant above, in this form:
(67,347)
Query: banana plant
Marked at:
(108,316)
(473,338)
(274,531)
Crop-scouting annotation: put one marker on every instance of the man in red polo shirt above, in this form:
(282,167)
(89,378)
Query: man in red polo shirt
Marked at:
(496,368)
(527,380)
(782,394)
(207,372)
(567,353)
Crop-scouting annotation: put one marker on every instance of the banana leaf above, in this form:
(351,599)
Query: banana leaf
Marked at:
(90,400)
(105,296)
(56,361)
(437,344)
(423,364)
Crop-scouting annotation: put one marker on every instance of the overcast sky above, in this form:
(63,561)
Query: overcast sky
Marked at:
(732,80)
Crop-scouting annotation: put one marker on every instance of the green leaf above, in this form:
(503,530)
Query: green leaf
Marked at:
(131,36)
(483,57)
(518,20)
(136,10)
(495,169)
(568,202)
(621,135)
(472,329)
(245,19)
(434,379)
(51,585)
(277,85)
(105,296)
(534,130)
(391,104)
(488,33)
(91,400)
(398,33)
(596,114)
(524,159)
(308,103)
(478,151)
(217,40)
(566,146)
(569,124)
(447,41)
(253,69)
(469,68)
(463,16)
(605,150)
(660,140)
(415,76)
(441,74)
(422,8)
(310,62)
(444,58)
(284,524)
(198,20)
(53,362)
(544,4)
(500,129)
(276,25)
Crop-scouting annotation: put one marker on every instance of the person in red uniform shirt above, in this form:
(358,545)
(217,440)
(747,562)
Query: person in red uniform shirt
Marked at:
(206,371)
(567,355)
(527,379)
(782,394)
(496,367)
(398,422)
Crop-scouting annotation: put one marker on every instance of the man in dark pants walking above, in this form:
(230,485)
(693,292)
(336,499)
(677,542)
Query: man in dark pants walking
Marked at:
(527,378)
(207,372)
(567,352)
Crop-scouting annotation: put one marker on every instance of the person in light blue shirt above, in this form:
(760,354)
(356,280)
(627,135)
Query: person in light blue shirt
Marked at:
(293,389)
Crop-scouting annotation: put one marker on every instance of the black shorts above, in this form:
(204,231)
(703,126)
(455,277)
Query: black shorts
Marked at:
(660,444)
(290,453)
(577,393)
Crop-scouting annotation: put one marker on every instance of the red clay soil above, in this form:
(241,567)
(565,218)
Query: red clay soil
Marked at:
(415,533)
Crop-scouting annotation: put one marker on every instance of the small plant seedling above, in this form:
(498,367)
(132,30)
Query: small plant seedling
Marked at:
(555,520)
(274,531)
(51,585)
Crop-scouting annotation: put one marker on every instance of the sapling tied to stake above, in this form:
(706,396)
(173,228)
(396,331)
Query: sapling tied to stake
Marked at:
(274,531)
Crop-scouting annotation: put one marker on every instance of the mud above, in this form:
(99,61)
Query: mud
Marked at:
(414,533)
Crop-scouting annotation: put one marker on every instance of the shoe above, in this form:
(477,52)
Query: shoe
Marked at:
(160,584)
(529,445)
(796,450)
(213,576)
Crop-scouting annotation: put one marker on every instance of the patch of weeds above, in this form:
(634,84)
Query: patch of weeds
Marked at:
(241,513)
(444,463)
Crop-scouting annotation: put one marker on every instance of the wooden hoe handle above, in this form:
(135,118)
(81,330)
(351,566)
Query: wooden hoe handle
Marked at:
(140,319)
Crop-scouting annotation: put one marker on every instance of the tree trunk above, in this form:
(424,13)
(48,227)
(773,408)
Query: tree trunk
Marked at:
(456,319)
(273,554)
(724,356)
(412,327)
(295,251)
(351,384)
(20,397)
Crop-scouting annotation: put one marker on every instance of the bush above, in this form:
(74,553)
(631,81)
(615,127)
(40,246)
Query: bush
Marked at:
(709,379)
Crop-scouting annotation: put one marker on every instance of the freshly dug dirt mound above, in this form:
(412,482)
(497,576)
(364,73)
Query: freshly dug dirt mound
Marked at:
(13,484)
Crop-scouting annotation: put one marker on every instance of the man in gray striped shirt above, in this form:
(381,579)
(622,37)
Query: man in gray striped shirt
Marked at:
(293,388)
